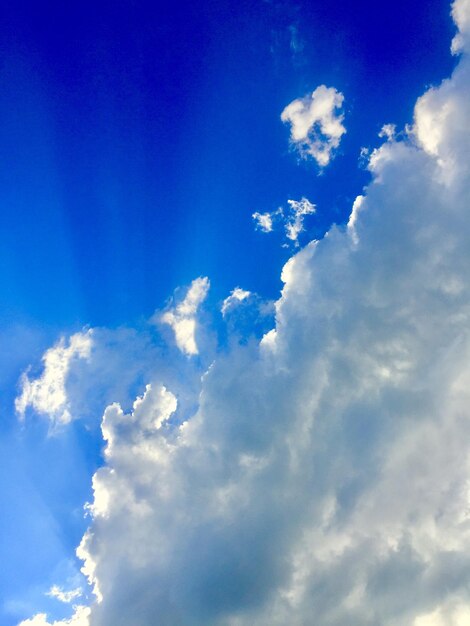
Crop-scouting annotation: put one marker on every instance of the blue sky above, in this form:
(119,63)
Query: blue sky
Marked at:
(139,137)
(138,140)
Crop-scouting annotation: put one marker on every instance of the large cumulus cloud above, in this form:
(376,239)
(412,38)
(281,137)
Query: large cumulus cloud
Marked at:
(325,476)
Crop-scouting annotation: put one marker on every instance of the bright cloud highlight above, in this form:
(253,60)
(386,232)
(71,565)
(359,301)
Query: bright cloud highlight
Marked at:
(182,318)
(295,219)
(263,221)
(64,596)
(47,394)
(79,618)
(291,218)
(316,126)
(237,296)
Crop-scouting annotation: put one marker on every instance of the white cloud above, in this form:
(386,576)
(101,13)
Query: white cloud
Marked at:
(64,596)
(295,220)
(182,318)
(356,208)
(237,296)
(326,470)
(264,221)
(388,131)
(80,618)
(461,15)
(453,614)
(291,218)
(316,125)
(119,361)
(47,394)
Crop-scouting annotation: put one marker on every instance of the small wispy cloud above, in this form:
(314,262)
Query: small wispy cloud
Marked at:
(64,596)
(47,393)
(182,318)
(316,123)
(264,221)
(298,209)
(388,132)
(291,218)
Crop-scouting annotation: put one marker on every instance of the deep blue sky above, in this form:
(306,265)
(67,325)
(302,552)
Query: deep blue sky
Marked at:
(136,141)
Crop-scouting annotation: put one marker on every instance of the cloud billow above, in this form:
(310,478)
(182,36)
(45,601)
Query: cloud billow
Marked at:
(316,127)
(324,478)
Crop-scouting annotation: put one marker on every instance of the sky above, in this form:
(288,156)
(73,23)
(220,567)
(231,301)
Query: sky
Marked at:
(235,313)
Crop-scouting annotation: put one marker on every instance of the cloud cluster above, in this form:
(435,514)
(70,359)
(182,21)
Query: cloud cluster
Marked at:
(316,125)
(90,369)
(324,477)
(291,218)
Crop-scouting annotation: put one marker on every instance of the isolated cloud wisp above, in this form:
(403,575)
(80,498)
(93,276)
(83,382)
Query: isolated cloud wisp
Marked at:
(316,124)
(64,596)
(264,221)
(325,471)
(291,218)
(182,318)
(295,220)
(47,393)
